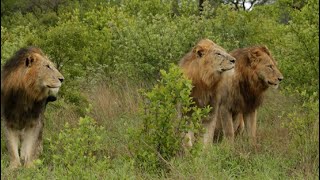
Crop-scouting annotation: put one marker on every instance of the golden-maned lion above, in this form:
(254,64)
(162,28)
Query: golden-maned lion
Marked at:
(241,92)
(29,80)
(203,65)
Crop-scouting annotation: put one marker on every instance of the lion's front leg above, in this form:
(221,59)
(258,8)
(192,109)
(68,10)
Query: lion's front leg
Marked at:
(227,123)
(12,141)
(209,127)
(251,126)
(209,130)
(31,143)
(39,144)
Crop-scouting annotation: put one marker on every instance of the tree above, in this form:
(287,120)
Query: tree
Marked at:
(247,5)
(201,5)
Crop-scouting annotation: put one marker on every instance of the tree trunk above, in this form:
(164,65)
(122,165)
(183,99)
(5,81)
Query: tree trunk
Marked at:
(201,6)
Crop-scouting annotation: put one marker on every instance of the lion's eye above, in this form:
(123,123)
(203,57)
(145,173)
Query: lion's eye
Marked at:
(219,54)
(48,66)
(270,66)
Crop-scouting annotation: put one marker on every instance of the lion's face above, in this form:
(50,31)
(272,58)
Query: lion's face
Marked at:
(220,60)
(213,59)
(266,67)
(42,77)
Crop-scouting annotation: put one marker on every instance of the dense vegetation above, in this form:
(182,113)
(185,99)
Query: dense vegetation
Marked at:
(109,50)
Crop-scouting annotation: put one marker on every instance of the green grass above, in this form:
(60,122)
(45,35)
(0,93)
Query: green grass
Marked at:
(116,113)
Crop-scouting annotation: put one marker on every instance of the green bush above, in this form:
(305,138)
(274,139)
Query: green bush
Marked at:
(147,7)
(13,39)
(303,128)
(299,49)
(168,114)
(79,149)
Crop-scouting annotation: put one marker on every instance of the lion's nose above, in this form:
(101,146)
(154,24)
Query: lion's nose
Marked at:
(280,78)
(233,60)
(61,79)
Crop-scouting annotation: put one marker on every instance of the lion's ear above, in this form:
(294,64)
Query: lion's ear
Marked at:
(199,51)
(253,54)
(29,61)
(265,49)
(256,52)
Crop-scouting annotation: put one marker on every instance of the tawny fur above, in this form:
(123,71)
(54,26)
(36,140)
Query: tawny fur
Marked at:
(29,81)
(241,93)
(203,65)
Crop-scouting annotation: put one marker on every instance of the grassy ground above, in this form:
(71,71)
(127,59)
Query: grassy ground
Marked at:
(116,111)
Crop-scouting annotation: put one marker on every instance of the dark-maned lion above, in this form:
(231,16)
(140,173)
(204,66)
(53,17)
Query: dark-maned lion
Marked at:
(241,92)
(203,65)
(29,80)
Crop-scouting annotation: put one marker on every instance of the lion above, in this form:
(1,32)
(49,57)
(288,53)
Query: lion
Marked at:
(29,80)
(241,93)
(204,65)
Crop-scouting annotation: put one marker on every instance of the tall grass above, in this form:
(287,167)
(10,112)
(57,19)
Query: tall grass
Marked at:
(109,103)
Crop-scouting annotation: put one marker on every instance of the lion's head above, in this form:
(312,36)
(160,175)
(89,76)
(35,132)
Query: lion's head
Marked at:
(30,72)
(205,63)
(261,64)
(266,66)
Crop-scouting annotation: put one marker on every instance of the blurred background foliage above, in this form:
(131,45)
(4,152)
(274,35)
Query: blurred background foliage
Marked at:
(133,39)
(113,47)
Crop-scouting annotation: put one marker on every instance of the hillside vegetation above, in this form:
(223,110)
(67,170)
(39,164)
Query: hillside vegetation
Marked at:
(115,116)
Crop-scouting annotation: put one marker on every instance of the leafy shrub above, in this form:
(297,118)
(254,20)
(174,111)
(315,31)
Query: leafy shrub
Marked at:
(78,148)
(13,39)
(147,7)
(302,49)
(168,114)
(303,128)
